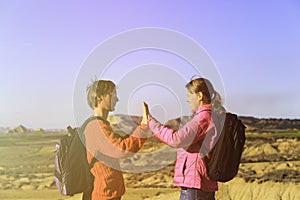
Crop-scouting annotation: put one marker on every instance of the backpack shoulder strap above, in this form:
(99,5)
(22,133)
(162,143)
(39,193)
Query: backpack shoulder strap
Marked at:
(91,119)
(94,160)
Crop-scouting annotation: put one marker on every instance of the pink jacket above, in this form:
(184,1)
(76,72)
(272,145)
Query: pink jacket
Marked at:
(190,169)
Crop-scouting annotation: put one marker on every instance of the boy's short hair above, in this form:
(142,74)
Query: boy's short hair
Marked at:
(98,88)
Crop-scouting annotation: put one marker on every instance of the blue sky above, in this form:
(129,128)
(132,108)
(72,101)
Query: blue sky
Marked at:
(255,46)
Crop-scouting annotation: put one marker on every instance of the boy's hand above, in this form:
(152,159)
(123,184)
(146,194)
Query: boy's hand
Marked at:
(145,114)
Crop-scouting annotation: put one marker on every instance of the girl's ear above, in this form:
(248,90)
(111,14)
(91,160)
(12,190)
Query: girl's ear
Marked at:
(199,96)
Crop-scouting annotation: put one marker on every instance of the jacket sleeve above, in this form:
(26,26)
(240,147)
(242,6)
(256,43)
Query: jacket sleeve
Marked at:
(101,138)
(190,133)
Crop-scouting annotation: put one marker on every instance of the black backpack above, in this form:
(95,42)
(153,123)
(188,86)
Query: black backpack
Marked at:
(72,170)
(224,158)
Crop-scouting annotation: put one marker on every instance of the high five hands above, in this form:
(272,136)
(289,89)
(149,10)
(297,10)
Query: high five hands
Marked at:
(145,114)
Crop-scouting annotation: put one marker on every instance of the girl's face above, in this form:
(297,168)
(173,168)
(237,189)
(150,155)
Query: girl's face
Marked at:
(193,100)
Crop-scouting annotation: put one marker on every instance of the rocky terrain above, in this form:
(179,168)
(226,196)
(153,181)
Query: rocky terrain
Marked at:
(270,125)
(257,125)
(270,166)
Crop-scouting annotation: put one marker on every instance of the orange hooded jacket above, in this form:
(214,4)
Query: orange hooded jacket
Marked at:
(107,147)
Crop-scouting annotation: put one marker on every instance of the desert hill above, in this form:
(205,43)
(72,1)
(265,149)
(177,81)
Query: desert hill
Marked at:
(269,169)
(270,124)
(4,129)
(21,129)
(253,124)
(125,123)
(18,129)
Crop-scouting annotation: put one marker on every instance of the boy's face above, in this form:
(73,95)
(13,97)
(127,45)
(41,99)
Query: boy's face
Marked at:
(109,101)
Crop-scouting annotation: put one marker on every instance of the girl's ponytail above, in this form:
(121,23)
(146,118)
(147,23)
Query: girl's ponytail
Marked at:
(216,102)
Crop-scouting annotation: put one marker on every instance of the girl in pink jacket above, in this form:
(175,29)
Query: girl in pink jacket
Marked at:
(193,141)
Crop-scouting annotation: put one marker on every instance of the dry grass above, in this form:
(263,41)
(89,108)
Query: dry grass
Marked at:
(27,165)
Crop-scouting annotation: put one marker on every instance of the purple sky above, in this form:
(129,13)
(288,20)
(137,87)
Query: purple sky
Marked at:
(255,46)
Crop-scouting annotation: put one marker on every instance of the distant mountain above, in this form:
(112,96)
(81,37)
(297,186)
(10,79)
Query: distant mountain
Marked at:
(4,129)
(253,124)
(123,124)
(19,129)
(270,124)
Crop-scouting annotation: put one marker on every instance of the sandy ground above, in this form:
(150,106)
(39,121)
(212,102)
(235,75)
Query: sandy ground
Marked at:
(131,194)
(236,189)
(270,170)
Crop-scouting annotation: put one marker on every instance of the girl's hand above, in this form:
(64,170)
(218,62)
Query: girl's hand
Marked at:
(145,114)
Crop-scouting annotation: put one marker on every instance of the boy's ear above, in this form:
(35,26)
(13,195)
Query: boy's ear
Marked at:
(100,98)
(97,101)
